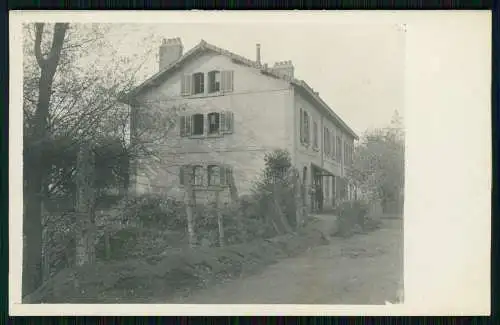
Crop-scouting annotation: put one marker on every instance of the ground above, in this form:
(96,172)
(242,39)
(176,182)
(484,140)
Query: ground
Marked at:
(363,269)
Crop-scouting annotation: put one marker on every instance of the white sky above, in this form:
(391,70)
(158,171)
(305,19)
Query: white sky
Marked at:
(357,69)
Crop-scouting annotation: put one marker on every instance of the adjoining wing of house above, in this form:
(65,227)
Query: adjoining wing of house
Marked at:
(229,112)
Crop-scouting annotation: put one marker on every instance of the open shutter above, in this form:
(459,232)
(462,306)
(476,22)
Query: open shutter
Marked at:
(181,175)
(189,125)
(222,122)
(222,174)
(301,128)
(227,81)
(186,85)
(182,126)
(229,120)
(229,174)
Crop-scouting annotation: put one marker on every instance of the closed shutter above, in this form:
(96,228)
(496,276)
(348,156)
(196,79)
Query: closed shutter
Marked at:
(227,81)
(186,85)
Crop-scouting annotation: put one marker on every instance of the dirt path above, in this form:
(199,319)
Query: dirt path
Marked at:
(363,269)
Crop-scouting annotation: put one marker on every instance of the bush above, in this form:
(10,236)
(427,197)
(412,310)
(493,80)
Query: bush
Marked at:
(352,215)
(167,274)
(153,210)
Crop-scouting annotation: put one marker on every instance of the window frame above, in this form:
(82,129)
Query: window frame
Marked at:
(212,77)
(193,124)
(217,131)
(195,84)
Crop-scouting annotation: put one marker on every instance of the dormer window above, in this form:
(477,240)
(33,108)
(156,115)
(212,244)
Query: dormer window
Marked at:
(214,81)
(198,83)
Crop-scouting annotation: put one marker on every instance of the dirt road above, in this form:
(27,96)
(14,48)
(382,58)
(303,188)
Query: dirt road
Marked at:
(363,269)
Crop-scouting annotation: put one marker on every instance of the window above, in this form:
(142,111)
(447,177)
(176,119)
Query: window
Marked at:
(326,141)
(315,135)
(198,173)
(214,175)
(199,83)
(218,81)
(213,123)
(217,123)
(304,127)
(214,80)
(198,124)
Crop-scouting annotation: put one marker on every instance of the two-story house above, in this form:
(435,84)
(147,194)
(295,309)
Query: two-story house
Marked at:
(234,110)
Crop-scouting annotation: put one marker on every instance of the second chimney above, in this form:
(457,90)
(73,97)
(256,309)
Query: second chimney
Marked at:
(258,54)
(170,51)
(284,68)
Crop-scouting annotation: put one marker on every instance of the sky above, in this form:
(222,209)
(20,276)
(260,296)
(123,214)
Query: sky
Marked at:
(357,69)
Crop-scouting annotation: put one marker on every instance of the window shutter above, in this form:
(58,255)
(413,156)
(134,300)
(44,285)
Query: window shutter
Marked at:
(182,126)
(227,80)
(228,174)
(181,175)
(222,122)
(229,120)
(186,85)
(301,128)
(222,174)
(189,125)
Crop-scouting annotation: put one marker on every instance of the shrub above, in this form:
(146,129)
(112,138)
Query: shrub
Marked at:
(153,210)
(352,215)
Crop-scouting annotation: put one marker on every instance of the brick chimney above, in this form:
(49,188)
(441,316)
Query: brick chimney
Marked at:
(284,68)
(170,51)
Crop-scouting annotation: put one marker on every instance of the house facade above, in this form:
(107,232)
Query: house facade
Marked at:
(229,112)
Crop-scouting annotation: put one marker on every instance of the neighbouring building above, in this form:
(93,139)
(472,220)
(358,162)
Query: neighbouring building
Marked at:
(230,111)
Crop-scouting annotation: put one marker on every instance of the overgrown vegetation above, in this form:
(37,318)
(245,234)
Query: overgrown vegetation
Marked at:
(378,168)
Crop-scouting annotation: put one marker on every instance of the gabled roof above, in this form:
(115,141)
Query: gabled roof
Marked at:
(204,46)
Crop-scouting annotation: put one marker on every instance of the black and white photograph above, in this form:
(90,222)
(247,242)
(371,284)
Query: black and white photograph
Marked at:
(213,163)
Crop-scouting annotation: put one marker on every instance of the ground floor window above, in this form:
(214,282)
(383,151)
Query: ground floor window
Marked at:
(206,175)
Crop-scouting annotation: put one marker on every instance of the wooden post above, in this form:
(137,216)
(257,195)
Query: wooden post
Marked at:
(233,192)
(298,201)
(219,218)
(190,202)
(85,246)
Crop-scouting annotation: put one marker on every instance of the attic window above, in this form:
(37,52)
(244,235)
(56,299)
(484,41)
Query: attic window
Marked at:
(214,80)
(198,83)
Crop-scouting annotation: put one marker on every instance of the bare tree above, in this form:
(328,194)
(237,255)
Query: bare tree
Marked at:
(35,177)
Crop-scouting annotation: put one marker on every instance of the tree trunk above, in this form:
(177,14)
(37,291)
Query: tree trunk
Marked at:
(190,202)
(85,235)
(35,178)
